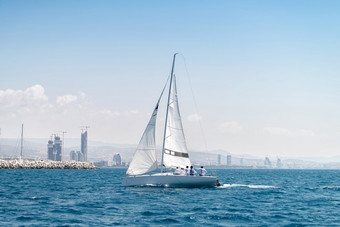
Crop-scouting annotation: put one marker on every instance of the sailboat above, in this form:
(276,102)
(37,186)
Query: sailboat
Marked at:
(142,169)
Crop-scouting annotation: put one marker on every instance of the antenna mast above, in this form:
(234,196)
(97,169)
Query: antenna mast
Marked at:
(22,140)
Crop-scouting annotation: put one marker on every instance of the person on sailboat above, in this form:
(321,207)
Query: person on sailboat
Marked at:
(182,172)
(202,171)
(177,171)
(192,171)
(187,171)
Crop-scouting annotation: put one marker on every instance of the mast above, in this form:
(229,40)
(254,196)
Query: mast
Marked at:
(167,109)
(22,140)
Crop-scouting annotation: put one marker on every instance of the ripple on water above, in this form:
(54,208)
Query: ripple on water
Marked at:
(24,218)
(199,209)
(166,221)
(64,210)
(149,213)
(96,198)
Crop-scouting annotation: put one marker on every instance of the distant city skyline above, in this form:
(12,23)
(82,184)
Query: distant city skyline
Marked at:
(265,74)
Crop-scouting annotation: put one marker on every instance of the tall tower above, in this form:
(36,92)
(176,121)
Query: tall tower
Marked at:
(219,159)
(54,148)
(62,145)
(278,163)
(83,148)
(57,148)
(267,162)
(50,155)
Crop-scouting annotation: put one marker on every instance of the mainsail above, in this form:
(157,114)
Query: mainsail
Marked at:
(175,148)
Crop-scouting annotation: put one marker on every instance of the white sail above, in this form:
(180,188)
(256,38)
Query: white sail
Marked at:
(144,160)
(175,148)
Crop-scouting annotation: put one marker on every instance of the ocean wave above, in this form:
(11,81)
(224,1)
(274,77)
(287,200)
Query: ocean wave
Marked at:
(336,188)
(331,187)
(245,185)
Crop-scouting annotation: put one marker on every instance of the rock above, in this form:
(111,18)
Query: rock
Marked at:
(45,164)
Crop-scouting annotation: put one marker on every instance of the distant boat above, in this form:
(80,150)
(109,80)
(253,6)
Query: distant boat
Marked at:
(174,152)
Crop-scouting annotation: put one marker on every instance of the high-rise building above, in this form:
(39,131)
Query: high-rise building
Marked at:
(219,159)
(73,156)
(278,163)
(57,148)
(80,156)
(267,162)
(117,159)
(83,148)
(54,148)
(50,149)
(229,160)
(76,156)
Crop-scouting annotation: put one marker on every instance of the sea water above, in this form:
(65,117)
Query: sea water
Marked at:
(96,198)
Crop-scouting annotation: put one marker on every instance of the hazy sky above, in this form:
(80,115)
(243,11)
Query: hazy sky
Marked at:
(265,74)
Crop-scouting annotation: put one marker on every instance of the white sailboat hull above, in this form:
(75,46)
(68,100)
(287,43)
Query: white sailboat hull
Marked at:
(169,180)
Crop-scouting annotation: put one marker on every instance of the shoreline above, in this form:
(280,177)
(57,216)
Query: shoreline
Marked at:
(45,164)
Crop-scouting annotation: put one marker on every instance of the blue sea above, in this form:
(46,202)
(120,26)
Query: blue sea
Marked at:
(96,198)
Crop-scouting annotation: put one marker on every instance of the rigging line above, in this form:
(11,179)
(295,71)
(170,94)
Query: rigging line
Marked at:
(195,103)
(166,83)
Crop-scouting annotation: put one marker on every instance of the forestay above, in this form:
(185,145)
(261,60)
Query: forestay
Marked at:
(175,148)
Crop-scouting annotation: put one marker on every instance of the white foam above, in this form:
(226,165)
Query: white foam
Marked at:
(331,187)
(244,185)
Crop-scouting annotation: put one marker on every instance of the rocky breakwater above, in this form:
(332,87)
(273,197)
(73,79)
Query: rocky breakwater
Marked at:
(45,164)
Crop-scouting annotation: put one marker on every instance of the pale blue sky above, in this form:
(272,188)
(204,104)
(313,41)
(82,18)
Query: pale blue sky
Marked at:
(265,73)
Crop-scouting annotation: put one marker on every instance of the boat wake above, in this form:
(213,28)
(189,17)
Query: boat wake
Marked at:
(246,186)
